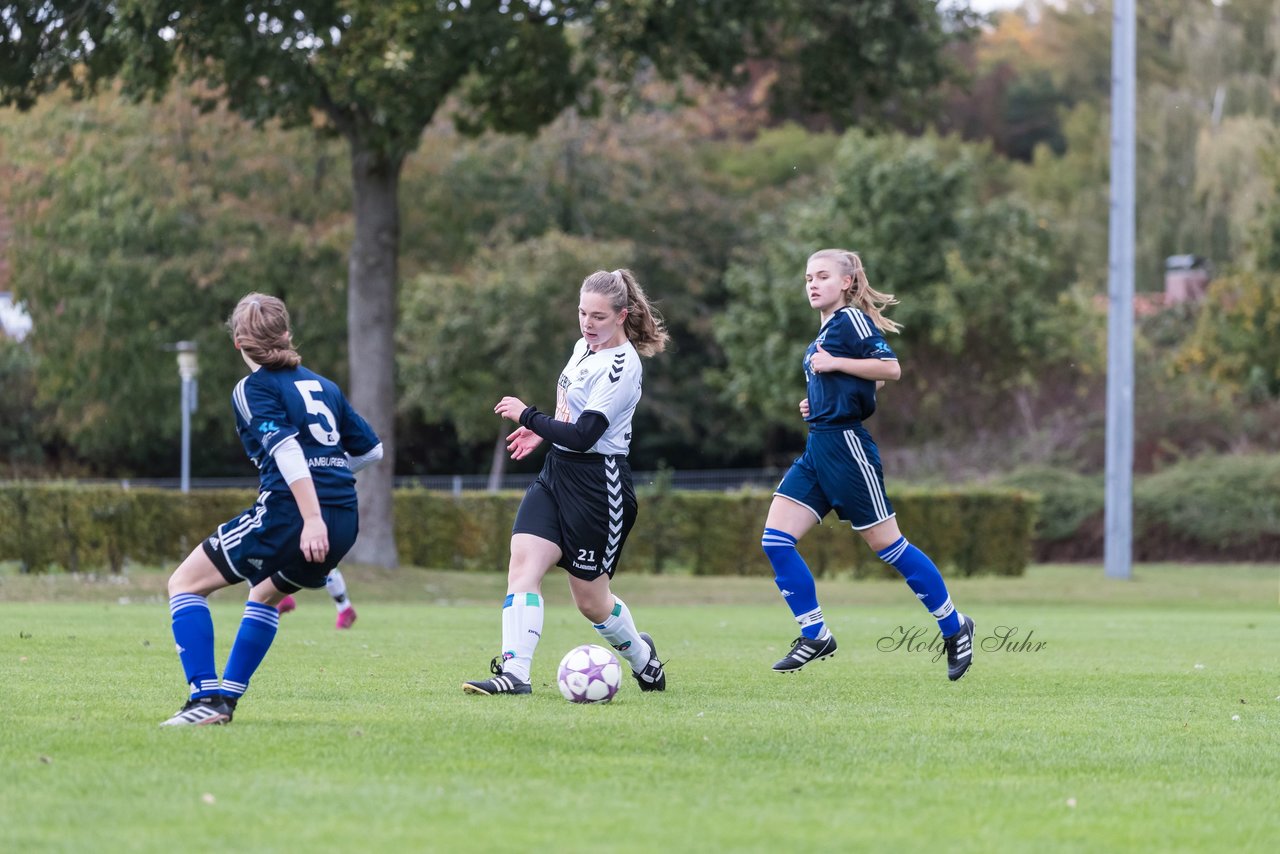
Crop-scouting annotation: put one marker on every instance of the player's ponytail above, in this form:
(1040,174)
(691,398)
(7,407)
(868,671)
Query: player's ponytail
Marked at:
(861,294)
(260,327)
(643,325)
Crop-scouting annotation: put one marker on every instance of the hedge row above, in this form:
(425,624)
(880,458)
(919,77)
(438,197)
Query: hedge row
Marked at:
(76,527)
(1205,508)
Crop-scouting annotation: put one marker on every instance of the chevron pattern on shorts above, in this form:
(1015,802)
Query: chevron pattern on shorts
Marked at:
(613,483)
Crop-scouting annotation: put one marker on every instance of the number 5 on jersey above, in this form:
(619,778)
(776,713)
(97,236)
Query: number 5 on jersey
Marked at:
(325,435)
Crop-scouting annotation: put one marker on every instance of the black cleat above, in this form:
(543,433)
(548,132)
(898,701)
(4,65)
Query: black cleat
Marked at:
(206,711)
(231,700)
(804,650)
(501,683)
(653,677)
(960,649)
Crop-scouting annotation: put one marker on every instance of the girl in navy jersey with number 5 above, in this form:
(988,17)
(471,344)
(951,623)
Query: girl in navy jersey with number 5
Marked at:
(578,512)
(307,443)
(840,467)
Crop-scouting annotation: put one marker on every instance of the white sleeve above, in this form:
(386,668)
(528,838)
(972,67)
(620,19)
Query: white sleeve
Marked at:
(615,392)
(357,463)
(290,461)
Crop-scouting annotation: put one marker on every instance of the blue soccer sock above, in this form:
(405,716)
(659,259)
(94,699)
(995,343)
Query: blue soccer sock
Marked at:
(257,631)
(925,581)
(795,581)
(193,633)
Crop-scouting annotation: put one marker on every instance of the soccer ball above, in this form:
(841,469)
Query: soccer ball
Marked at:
(589,674)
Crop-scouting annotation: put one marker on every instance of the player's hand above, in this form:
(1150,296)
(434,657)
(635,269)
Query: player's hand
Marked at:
(510,407)
(315,539)
(522,443)
(804,408)
(823,362)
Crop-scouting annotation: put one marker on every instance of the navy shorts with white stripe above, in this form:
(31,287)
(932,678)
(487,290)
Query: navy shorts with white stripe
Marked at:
(264,541)
(839,470)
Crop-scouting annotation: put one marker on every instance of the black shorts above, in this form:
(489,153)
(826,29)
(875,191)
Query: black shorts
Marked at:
(263,541)
(585,504)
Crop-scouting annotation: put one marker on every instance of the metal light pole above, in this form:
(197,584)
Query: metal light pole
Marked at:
(188,368)
(1119,501)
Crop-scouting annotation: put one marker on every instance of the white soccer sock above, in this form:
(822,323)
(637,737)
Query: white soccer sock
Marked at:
(621,633)
(521,631)
(337,587)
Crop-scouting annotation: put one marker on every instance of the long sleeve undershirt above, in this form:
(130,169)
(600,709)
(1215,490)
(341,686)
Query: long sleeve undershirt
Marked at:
(580,435)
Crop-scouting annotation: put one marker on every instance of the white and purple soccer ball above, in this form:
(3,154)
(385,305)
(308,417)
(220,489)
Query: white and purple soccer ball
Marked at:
(589,674)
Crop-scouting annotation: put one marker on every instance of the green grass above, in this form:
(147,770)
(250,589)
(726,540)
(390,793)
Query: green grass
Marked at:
(1117,734)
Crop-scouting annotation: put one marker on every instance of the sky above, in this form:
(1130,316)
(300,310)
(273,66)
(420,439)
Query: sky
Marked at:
(992,5)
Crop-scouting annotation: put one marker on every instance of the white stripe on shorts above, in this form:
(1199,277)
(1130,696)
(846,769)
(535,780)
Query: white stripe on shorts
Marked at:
(878,503)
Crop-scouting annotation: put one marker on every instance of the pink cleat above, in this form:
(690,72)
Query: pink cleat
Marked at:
(286,604)
(346,617)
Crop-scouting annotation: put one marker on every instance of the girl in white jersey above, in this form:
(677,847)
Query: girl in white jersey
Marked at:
(578,512)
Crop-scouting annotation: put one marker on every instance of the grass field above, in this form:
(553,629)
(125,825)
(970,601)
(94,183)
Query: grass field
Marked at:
(1140,716)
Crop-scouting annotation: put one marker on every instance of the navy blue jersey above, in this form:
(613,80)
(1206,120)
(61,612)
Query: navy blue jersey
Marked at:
(837,399)
(273,405)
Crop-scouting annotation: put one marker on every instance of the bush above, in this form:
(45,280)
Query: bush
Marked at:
(1204,508)
(74,527)
(1210,508)
(1070,523)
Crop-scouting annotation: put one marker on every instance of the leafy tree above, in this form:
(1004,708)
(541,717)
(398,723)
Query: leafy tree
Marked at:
(48,43)
(1236,341)
(1230,160)
(138,227)
(20,417)
(824,46)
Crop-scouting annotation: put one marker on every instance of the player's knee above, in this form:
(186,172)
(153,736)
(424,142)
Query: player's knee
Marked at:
(175,585)
(775,542)
(596,612)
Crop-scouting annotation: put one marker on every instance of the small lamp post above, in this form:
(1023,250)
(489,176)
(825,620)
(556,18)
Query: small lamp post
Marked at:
(188,368)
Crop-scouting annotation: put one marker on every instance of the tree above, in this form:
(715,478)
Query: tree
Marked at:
(377,72)
(138,226)
(48,43)
(20,441)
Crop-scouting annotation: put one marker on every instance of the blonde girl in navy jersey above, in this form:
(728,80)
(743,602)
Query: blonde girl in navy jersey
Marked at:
(307,442)
(578,512)
(840,467)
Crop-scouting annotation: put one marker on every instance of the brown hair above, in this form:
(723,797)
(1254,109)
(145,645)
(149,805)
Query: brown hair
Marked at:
(643,325)
(260,327)
(861,293)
